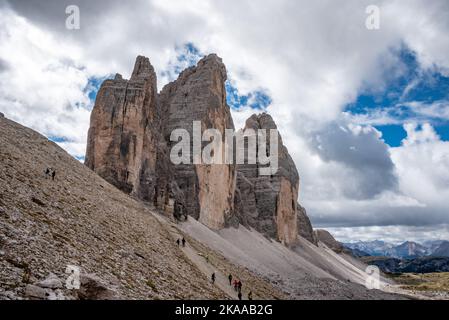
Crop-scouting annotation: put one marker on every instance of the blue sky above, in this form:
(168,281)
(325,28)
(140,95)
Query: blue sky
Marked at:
(405,87)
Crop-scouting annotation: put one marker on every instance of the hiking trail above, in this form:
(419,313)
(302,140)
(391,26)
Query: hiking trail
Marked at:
(221,280)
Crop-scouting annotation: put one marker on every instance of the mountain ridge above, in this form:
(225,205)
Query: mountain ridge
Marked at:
(405,250)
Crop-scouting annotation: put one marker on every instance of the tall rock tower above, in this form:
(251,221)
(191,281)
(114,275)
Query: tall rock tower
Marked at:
(129,145)
(124,128)
(129,139)
(269,203)
(199,94)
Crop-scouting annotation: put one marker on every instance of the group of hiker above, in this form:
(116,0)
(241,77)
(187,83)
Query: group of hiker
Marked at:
(237,283)
(238,287)
(50,173)
(179,241)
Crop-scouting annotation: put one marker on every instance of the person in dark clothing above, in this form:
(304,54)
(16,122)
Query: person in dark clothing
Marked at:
(183,242)
(178,242)
(53,174)
(47,173)
(236,284)
(250,295)
(240,295)
(239,286)
(213,277)
(230,279)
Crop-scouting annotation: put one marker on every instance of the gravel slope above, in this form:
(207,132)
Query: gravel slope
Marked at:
(305,272)
(79,219)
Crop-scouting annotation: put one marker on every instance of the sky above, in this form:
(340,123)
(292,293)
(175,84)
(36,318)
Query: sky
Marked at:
(364,113)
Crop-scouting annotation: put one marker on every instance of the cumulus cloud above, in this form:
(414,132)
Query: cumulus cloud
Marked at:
(42,87)
(426,134)
(366,167)
(423,167)
(310,58)
(392,234)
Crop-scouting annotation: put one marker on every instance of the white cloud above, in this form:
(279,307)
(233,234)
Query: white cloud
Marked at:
(392,234)
(42,87)
(426,134)
(422,163)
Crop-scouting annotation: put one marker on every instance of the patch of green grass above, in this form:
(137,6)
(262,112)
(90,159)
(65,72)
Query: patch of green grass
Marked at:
(423,282)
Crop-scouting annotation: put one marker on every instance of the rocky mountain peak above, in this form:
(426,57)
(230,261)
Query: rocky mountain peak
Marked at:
(269,203)
(129,144)
(260,121)
(213,62)
(142,68)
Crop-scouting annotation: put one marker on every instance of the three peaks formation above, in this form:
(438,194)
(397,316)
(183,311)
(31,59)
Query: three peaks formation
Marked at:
(129,146)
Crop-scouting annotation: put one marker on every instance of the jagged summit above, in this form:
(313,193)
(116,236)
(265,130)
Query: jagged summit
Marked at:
(269,203)
(142,68)
(129,143)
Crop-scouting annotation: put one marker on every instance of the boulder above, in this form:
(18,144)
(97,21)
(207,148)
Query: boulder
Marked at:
(51,282)
(93,288)
(36,292)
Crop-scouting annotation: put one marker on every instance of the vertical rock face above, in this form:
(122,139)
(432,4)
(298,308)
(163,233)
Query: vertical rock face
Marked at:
(129,139)
(199,95)
(129,145)
(121,135)
(268,203)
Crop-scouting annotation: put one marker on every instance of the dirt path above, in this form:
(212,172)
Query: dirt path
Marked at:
(221,280)
(395,288)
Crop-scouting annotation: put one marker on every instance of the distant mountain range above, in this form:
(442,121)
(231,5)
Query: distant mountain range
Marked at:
(417,265)
(406,250)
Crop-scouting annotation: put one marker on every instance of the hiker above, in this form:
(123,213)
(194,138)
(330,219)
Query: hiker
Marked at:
(47,173)
(239,286)
(240,295)
(250,295)
(178,242)
(236,284)
(183,242)
(213,277)
(230,279)
(53,174)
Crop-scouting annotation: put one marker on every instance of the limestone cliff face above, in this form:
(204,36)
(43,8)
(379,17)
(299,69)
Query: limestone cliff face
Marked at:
(129,145)
(120,136)
(199,95)
(268,203)
(129,139)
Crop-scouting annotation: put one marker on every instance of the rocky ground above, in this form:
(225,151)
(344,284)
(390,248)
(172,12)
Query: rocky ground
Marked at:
(306,272)
(79,219)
